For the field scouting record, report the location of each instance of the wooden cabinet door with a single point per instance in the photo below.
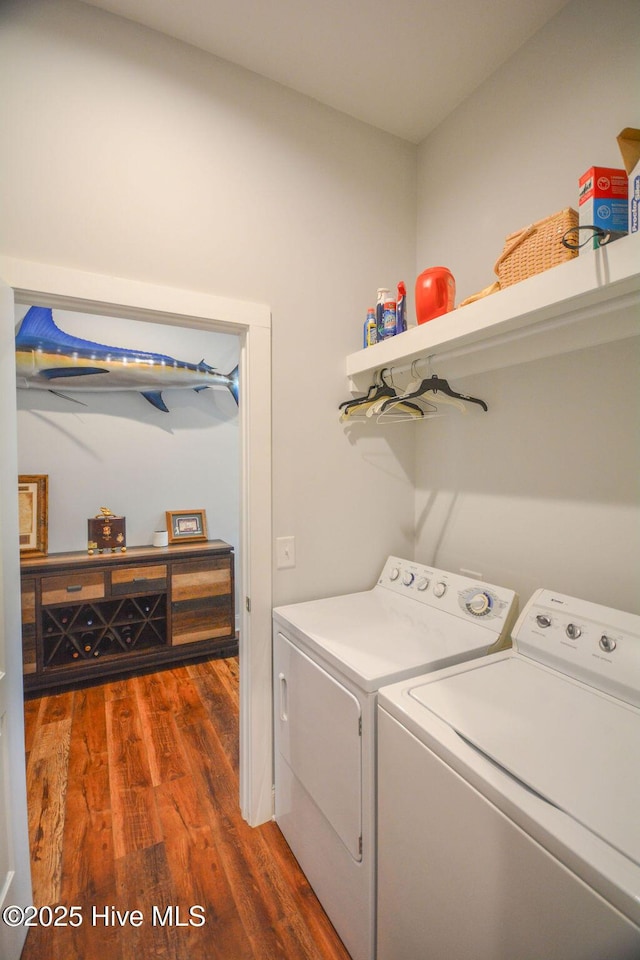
(201, 599)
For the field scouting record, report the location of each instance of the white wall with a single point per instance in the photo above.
(514, 150)
(542, 490)
(119, 451)
(131, 154)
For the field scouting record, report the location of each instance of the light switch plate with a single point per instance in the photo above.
(285, 552)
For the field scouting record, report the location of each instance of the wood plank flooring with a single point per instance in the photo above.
(133, 805)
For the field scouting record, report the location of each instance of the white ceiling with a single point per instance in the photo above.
(401, 65)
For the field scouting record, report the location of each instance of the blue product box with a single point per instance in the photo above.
(603, 201)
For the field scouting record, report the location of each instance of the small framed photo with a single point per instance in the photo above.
(186, 525)
(33, 500)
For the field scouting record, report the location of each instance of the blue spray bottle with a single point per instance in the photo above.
(370, 328)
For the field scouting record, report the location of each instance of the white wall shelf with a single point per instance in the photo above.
(590, 300)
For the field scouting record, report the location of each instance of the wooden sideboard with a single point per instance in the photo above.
(86, 618)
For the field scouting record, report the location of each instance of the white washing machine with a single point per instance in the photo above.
(509, 797)
(330, 658)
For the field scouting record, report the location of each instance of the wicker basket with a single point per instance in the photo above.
(536, 248)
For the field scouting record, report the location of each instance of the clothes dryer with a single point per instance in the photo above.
(330, 658)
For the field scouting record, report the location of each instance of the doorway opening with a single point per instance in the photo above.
(115, 297)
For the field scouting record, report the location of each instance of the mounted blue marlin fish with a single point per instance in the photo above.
(48, 358)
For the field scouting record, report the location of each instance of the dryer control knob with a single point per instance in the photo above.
(440, 589)
(408, 579)
(573, 631)
(479, 604)
(608, 644)
(395, 573)
(543, 620)
(422, 583)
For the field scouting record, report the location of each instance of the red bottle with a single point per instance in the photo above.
(435, 293)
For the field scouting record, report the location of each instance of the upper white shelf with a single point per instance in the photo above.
(589, 300)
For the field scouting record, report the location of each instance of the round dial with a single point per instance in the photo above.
(440, 589)
(395, 573)
(479, 604)
(608, 644)
(408, 578)
(422, 583)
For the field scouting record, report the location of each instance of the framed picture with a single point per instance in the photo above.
(186, 525)
(33, 495)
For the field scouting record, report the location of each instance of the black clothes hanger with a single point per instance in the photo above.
(435, 384)
(380, 388)
(377, 391)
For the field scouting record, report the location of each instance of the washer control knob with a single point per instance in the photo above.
(422, 583)
(408, 578)
(573, 631)
(608, 644)
(440, 589)
(395, 573)
(479, 604)
(543, 620)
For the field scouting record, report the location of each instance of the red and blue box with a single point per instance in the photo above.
(603, 201)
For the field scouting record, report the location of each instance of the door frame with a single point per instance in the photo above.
(15, 872)
(69, 289)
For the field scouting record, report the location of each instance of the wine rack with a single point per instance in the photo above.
(86, 618)
(111, 628)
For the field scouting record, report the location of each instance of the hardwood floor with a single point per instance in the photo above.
(133, 806)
